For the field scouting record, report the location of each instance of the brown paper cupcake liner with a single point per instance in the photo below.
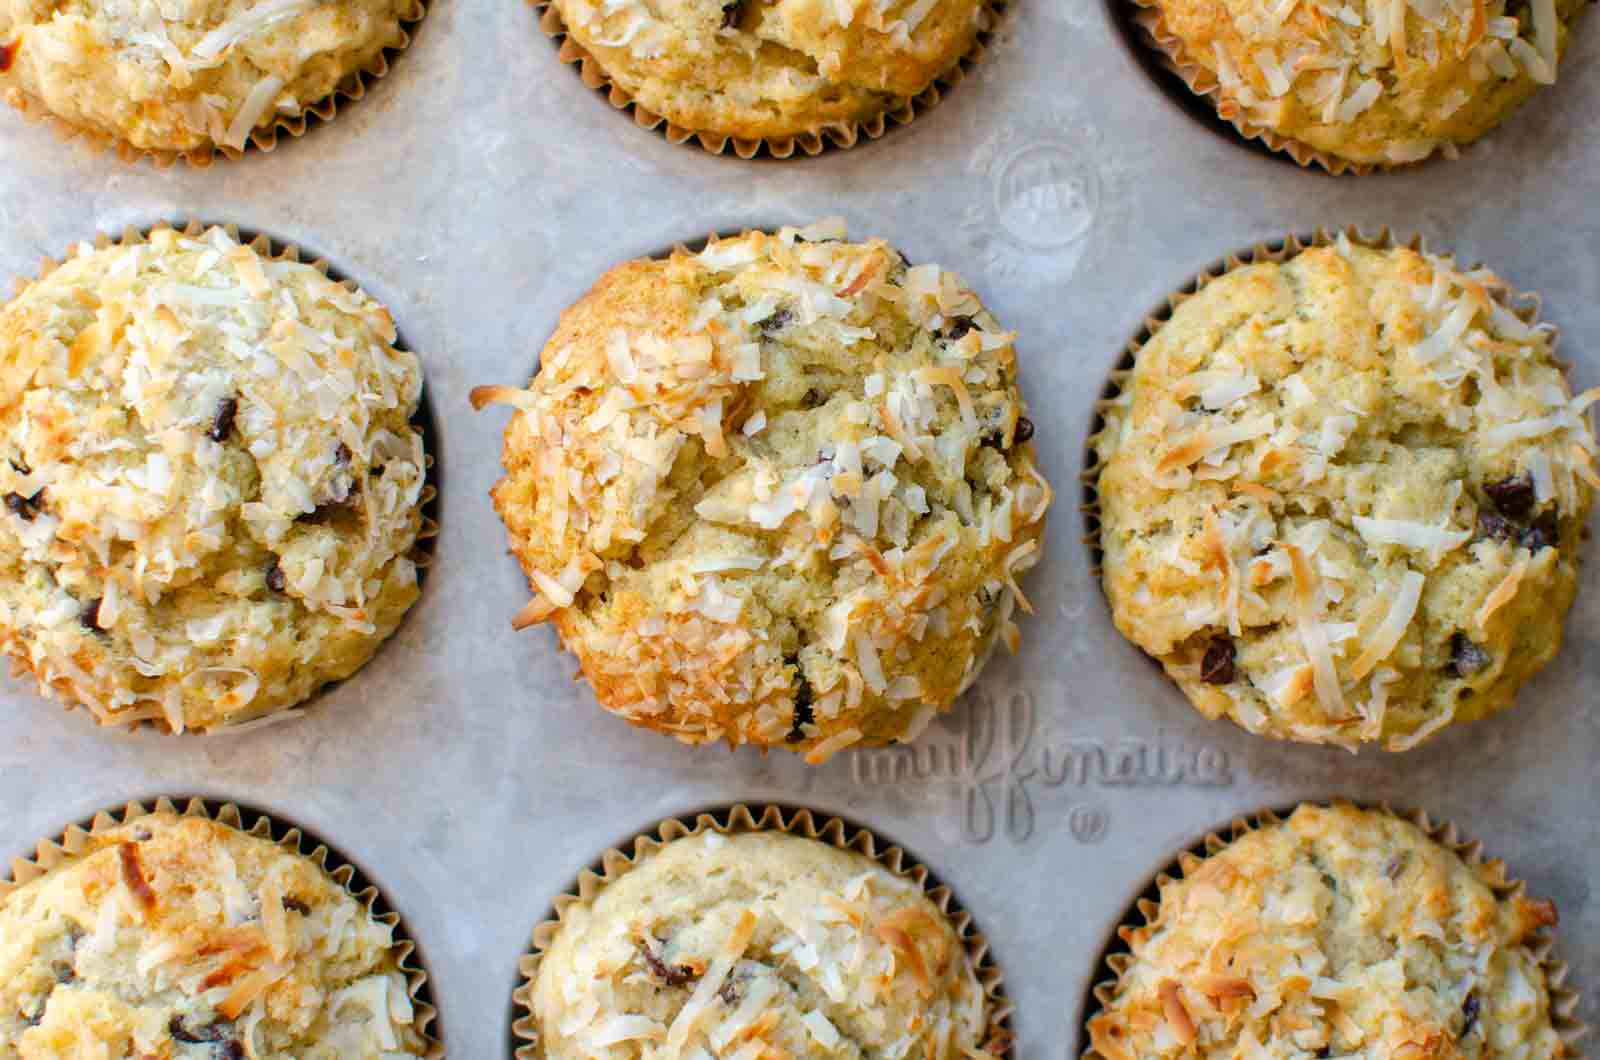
(353, 87)
(1526, 306)
(50, 854)
(812, 142)
(1203, 83)
(1142, 917)
(738, 818)
(422, 551)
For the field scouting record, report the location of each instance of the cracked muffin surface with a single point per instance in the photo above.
(212, 486)
(182, 938)
(1342, 497)
(1382, 83)
(775, 492)
(771, 68)
(180, 75)
(757, 944)
(1339, 932)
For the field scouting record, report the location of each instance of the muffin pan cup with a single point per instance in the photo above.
(842, 135)
(263, 138)
(740, 818)
(75, 839)
(1563, 997)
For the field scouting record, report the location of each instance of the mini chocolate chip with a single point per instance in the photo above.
(1466, 658)
(804, 714)
(669, 974)
(1024, 430)
(1217, 666)
(1513, 495)
(1544, 532)
(181, 1031)
(779, 320)
(342, 454)
(731, 13)
(1469, 1009)
(956, 328)
(275, 578)
(813, 398)
(25, 508)
(295, 905)
(234, 1050)
(222, 424)
(1495, 527)
(89, 617)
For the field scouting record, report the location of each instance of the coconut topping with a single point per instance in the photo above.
(214, 449)
(183, 75)
(861, 545)
(1375, 82)
(180, 937)
(1339, 932)
(756, 945)
(1340, 485)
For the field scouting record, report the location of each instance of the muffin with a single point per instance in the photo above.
(776, 492)
(773, 70)
(212, 485)
(176, 936)
(1368, 85)
(1339, 932)
(193, 75)
(771, 943)
(1341, 495)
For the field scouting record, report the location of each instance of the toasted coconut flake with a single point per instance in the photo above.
(250, 987)
(532, 613)
(1503, 592)
(1420, 537)
(1313, 635)
(482, 396)
(832, 746)
(699, 1003)
(1393, 627)
(252, 110)
(1176, 1015)
(133, 877)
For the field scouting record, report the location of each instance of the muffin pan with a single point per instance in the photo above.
(479, 189)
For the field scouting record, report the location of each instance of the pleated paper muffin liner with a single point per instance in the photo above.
(352, 87)
(1141, 919)
(739, 818)
(50, 854)
(421, 552)
(1526, 306)
(841, 135)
